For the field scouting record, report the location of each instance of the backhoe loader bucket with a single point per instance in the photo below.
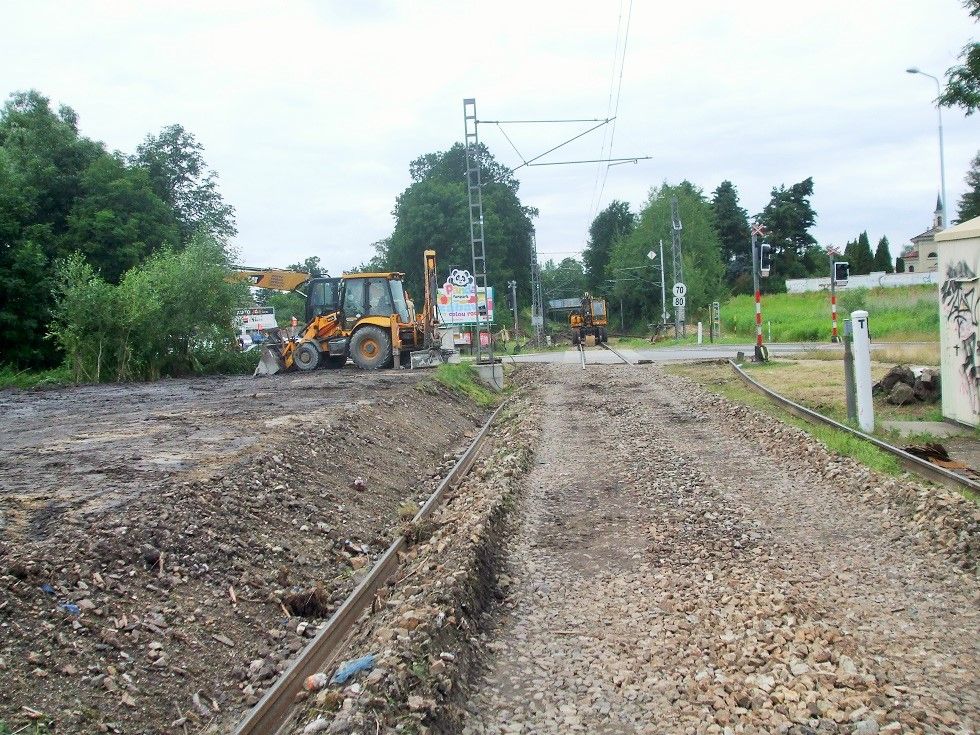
(270, 363)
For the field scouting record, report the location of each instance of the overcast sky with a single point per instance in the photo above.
(312, 111)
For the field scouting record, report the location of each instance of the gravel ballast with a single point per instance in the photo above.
(689, 565)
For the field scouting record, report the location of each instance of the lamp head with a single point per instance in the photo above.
(913, 70)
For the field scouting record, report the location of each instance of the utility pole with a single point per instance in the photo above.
(680, 288)
(537, 300)
(513, 302)
(474, 190)
(663, 288)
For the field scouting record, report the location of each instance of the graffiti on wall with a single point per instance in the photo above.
(960, 297)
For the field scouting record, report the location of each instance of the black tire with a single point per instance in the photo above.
(604, 336)
(370, 348)
(333, 362)
(307, 356)
(575, 338)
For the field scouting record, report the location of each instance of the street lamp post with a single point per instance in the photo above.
(942, 157)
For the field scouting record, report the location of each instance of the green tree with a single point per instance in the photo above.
(732, 225)
(963, 81)
(117, 220)
(883, 257)
(969, 206)
(639, 286)
(788, 218)
(43, 168)
(566, 280)
(612, 223)
(175, 163)
(433, 213)
(859, 255)
(309, 265)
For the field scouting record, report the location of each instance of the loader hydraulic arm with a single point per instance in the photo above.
(430, 315)
(275, 279)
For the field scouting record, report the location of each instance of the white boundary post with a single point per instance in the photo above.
(862, 370)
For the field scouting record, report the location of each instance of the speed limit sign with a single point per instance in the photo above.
(680, 301)
(680, 290)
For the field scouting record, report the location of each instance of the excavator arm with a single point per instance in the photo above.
(275, 279)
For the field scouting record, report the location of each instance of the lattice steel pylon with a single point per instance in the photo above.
(676, 227)
(474, 190)
(537, 313)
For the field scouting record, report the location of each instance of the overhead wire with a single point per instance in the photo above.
(619, 91)
(609, 105)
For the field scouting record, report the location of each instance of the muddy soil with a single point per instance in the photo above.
(166, 547)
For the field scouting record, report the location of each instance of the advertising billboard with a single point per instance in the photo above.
(457, 300)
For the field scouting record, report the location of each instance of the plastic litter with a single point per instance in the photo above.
(71, 608)
(352, 667)
(47, 589)
(315, 682)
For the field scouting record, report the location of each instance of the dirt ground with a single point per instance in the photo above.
(166, 547)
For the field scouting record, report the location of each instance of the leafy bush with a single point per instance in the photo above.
(171, 315)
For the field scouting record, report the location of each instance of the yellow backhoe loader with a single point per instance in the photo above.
(367, 317)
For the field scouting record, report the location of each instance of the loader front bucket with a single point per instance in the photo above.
(270, 363)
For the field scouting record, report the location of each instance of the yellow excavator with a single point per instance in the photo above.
(589, 322)
(367, 317)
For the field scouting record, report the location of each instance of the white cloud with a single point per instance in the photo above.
(312, 111)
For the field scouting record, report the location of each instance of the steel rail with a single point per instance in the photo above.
(273, 710)
(616, 352)
(934, 473)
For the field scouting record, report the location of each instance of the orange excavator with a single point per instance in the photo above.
(366, 317)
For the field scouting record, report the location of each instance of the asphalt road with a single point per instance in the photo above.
(597, 355)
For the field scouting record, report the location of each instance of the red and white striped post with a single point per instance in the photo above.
(834, 337)
(833, 317)
(758, 318)
(757, 231)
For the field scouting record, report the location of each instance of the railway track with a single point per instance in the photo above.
(603, 345)
(921, 467)
(616, 352)
(274, 709)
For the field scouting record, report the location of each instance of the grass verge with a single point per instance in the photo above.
(720, 379)
(462, 378)
(11, 378)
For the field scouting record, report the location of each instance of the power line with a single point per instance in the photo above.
(619, 92)
(609, 104)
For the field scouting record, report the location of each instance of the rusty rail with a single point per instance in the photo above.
(275, 707)
(934, 473)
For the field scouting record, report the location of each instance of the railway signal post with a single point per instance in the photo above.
(758, 258)
(838, 277)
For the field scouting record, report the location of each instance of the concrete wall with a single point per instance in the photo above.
(959, 310)
(873, 280)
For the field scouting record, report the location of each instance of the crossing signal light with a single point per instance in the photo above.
(765, 259)
(841, 271)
